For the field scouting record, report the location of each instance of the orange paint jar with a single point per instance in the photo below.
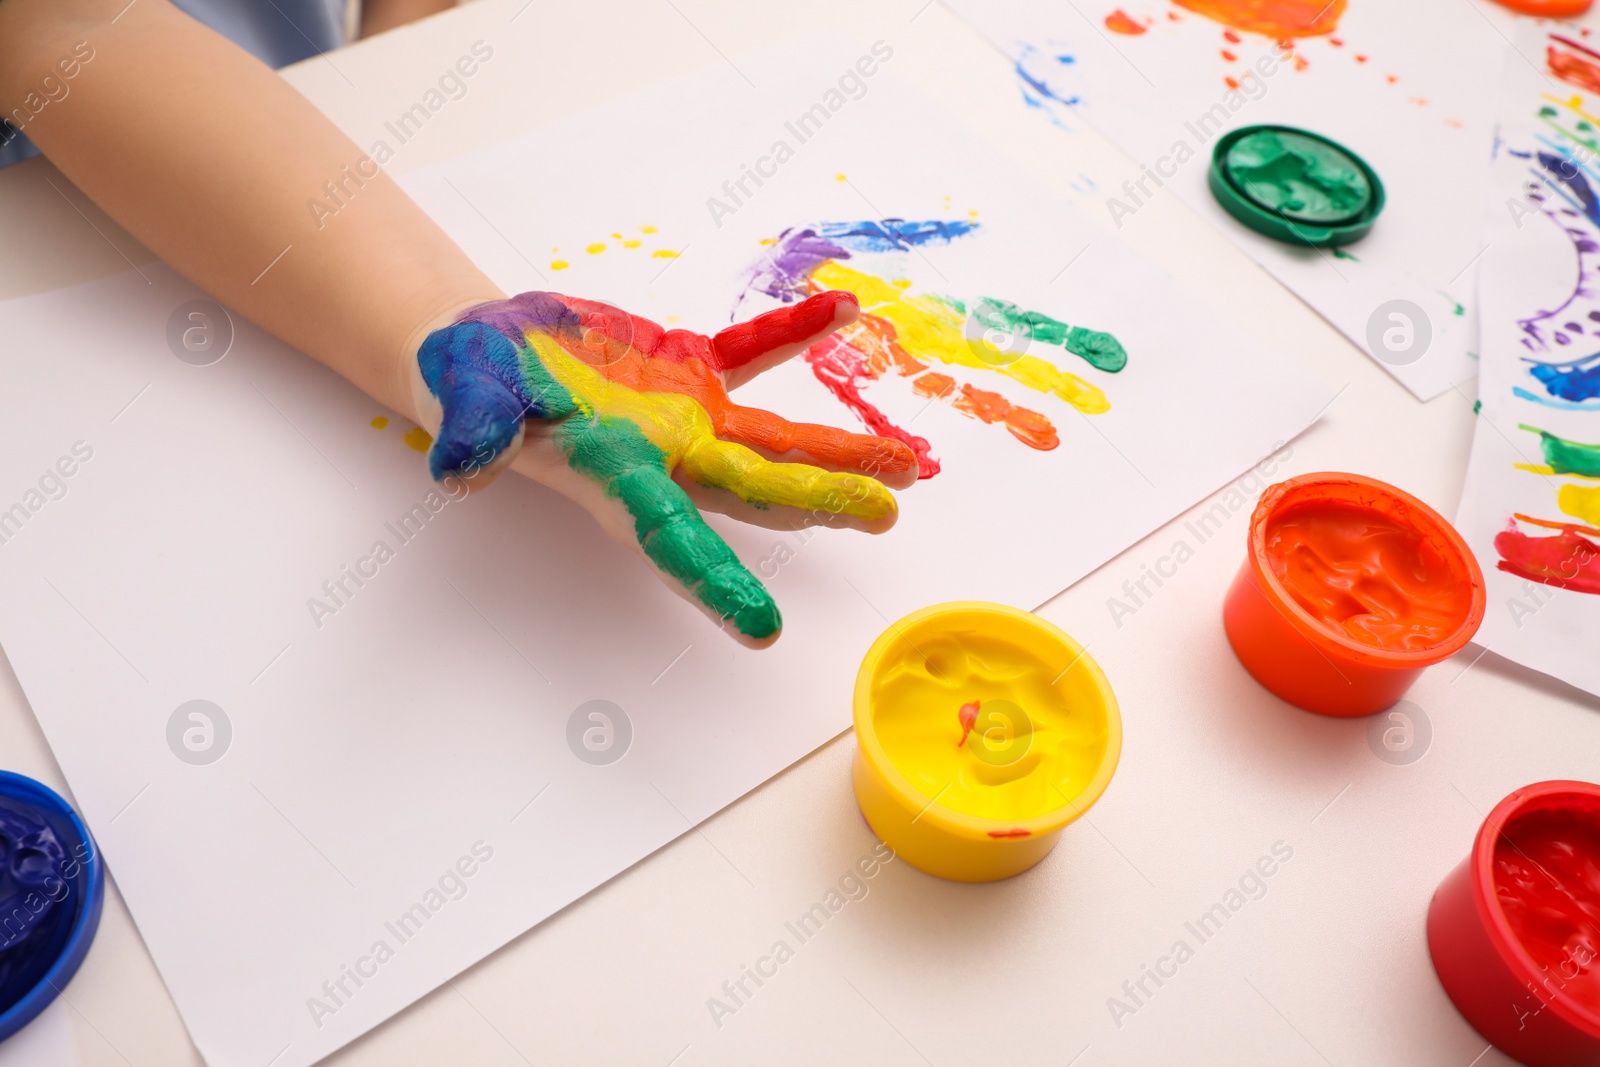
(1349, 588)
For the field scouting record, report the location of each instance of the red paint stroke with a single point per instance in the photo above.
(1231, 82)
(1272, 18)
(1119, 21)
(1019, 832)
(1570, 43)
(1336, 42)
(1574, 70)
(1567, 560)
(843, 368)
(969, 718)
(1229, 35)
(1301, 63)
(1229, 56)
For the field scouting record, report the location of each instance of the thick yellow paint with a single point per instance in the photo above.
(930, 329)
(664, 253)
(680, 427)
(380, 421)
(632, 242)
(596, 248)
(1012, 766)
(1581, 502)
(418, 438)
(559, 264)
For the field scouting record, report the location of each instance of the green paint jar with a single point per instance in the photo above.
(1295, 186)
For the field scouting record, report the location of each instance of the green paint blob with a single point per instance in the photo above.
(617, 454)
(1567, 457)
(1299, 178)
(1101, 350)
(1477, 406)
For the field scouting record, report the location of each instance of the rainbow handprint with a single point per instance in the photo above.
(901, 331)
(608, 407)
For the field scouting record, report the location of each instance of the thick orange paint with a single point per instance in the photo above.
(1119, 21)
(1366, 575)
(1273, 18)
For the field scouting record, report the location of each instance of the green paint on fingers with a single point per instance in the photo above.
(617, 454)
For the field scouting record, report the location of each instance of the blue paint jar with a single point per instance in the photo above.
(52, 889)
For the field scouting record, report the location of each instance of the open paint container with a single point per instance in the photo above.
(52, 888)
(1349, 588)
(981, 731)
(1514, 930)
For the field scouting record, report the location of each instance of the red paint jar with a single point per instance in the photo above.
(1526, 979)
(1350, 587)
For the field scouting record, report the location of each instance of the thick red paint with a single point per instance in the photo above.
(969, 718)
(1566, 559)
(1011, 833)
(784, 328)
(1547, 880)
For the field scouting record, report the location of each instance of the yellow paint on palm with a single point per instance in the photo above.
(1581, 502)
(931, 329)
(682, 430)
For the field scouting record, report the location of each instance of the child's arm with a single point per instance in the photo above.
(208, 157)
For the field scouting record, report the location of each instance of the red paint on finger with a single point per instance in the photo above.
(807, 321)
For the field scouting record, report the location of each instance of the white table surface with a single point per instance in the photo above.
(1330, 966)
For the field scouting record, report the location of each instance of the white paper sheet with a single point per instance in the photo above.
(1408, 86)
(1541, 330)
(424, 727)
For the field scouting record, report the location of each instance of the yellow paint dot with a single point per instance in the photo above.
(595, 249)
(616, 236)
(632, 242)
(664, 253)
(380, 422)
(840, 178)
(418, 438)
(559, 264)
(647, 229)
(674, 318)
(769, 241)
(972, 214)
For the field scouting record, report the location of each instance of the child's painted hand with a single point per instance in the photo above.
(629, 419)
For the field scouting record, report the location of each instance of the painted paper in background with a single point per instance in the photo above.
(1531, 508)
(419, 724)
(1165, 78)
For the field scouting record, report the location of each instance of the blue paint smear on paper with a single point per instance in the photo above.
(785, 273)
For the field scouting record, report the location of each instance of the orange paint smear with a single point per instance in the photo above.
(1366, 575)
(1271, 18)
(1029, 427)
(1229, 56)
(1119, 21)
(1230, 82)
(1574, 70)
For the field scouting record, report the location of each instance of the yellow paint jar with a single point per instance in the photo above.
(981, 731)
